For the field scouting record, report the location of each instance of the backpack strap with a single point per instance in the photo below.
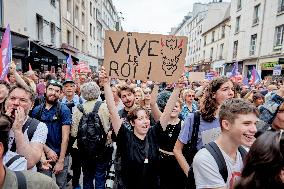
(57, 114)
(12, 160)
(31, 126)
(243, 152)
(195, 129)
(219, 158)
(21, 179)
(97, 107)
(81, 108)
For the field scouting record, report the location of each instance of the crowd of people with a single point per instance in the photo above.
(132, 134)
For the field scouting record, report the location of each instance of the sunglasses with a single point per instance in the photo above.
(147, 92)
(190, 95)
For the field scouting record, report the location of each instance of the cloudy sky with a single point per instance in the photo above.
(154, 16)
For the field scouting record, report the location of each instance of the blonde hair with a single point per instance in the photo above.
(186, 92)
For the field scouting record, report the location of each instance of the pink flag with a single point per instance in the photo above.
(70, 69)
(6, 49)
(30, 67)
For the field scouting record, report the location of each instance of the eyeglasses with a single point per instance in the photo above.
(147, 92)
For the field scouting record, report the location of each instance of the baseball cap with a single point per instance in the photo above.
(68, 81)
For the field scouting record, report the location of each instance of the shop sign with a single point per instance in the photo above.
(268, 65)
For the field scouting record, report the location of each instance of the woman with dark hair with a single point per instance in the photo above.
(257, 99)
(216, 92)
(264, 165)
(139, 148)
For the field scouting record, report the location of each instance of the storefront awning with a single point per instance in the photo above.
(61, 57)
(46, 55)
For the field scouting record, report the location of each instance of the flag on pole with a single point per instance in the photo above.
(245, 81)
(70, 69)
(255, 77)
(30, 67)
(235, 70)
(6, 50)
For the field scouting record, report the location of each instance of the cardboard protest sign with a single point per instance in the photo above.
(144, 57)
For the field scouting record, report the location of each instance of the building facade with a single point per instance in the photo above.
(41, 25)
(192, 28)
(256, 37)
(216, 36)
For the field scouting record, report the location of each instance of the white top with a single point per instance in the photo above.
(39, 136)
(18, 165)
(206, 171)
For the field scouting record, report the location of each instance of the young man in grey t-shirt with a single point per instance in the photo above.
(238, 124)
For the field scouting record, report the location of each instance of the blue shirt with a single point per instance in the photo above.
(185, 111)
(204, 127)
(54, 125)
(76, 99)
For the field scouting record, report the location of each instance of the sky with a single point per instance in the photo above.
(153, 16)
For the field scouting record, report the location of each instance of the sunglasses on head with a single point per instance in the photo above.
(55, 83)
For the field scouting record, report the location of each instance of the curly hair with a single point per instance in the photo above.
(132, 115)
(208, 104)
(90, 91)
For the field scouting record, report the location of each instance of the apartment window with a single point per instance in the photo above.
(77, 42)
(76, 16)
(52, 2)
(91, 29)
(223, 32)
(281, 6)
(39, 27)
(235, 49)
(213, 37)
(94, 12)
(52, 33)
(68, 37)
(94, 32)
(221, 51)
(69, 5)
(83, 22)
(211, 53)
(204, 40)
(83, 45)
(279, 34)
(256, 14)
(83, 3)
(253, 44)
(237, 29)
(239, 4)
(204, 54)
(91, 8)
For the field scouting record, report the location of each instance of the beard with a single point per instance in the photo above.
(51, 101)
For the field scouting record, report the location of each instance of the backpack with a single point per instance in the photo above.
(31, 126)
(215, 151)
(91, 135)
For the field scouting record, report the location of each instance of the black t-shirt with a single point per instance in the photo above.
(169, 137)
(136, 174)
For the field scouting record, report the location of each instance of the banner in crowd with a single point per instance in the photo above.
(144, 56)
(6, 52)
